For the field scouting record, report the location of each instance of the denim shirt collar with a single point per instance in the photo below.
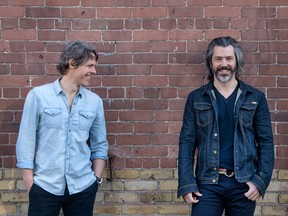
(58, 89)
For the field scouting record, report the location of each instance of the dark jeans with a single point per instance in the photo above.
(227, 195)
(43, 203)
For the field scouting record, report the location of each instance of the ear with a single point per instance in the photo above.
(71, 63)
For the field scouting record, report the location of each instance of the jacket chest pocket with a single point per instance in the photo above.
(52, 117)
(204, 114)
(246, 113)
(86, 119)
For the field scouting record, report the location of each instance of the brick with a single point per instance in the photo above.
(190, 34)
(28, 3)
(9, 209)
(154, 81)
(138, 209)
(42, 12)
(150, 24)
(149, 12)
(160, 151)
(117, 36)
(178, 12)
(273, 3)
(12, 11)
(78, 35)
(62, 3)
(172, 209)
(169, 3)
(151, 58)
(250, 12)
(283, 198)
(150, 35)
(140, 185)
(119, 197)
(205, 3)
(132, 3)
(7, 185)
(114, 13)
(222, 12)
(10, 23)
(245, 3)
(168, 185)
(283, 174)
(274, 210)
(14, 197)
(19, 34)
(107, 209)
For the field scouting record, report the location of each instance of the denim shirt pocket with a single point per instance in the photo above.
(86, 119)
(204, 113)
(52, 117)
(246, 113)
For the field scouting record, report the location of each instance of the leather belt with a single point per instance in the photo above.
(226, 172)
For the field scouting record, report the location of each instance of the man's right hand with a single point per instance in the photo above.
(192, 198)
(28, 178)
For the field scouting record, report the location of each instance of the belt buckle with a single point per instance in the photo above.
(225, 172)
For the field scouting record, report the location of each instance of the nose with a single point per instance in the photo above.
(224, 62)
(93, 70)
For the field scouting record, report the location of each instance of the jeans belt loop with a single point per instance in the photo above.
(228, 173)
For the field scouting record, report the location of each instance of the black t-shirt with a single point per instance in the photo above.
(226, 128)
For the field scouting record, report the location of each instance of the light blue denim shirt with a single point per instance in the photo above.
(52, 138)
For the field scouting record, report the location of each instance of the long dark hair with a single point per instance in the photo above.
(224, 42)
(80, 52)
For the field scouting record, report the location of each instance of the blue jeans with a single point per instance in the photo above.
(227, 195)
(44, 203)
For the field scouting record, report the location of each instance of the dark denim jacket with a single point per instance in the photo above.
(253, 140)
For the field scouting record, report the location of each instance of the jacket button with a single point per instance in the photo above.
(215, 134)
(215, 151)
(214, 180)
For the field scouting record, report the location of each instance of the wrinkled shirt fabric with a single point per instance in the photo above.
(52, 138)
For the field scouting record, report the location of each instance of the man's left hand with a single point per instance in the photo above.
(253, 193)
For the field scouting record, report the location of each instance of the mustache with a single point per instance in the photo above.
(224, 68)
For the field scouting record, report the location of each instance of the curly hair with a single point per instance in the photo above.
(80, 52)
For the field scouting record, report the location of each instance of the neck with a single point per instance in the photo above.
(68, 86)
(226, 89)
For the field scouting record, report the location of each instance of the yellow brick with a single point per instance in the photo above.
(168, 185)
(21, 185)
(107, 209)
(173, 209)
(99, 196)
(277, 186)
(164, 197)
(8, 209)
(13, 173)
(14, 197)
(257, 211)
(126, 174)
(269, 198)
(274, 210)
(283, 174)
(140, 185)
(157, 174)
(7, 185)
(114, 185)
(283, 199)
(138, 209)
(24, 208)
(121, 197)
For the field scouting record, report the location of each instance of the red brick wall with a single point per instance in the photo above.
(151, 57)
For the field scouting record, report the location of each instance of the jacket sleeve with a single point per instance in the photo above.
(187, 145)
(265, 146)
